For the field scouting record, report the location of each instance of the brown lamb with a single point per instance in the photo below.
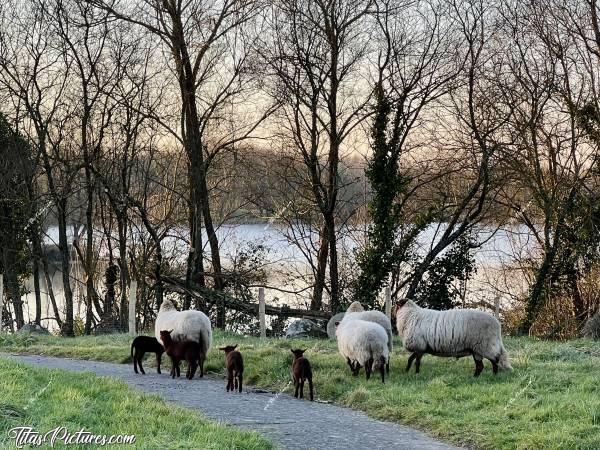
(189, 351)
(235, 368)
(301, 372)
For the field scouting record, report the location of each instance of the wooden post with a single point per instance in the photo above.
(132, 301)
(388, 302)
(1, 298)
(261, 312)
(497, 306)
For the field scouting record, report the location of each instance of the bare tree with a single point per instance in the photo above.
(316, 54)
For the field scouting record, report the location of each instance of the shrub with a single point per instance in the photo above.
(592, 327)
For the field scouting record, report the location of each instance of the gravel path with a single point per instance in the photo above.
(292, 423)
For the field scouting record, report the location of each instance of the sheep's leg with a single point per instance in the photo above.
(369, 368)
(201, 364)
(418, 363)
(352, 369)
(382, 363)
(356, 369)
(411, 358)
(310, 388)
(158, 358)
(478, 366)
(494, 366)
(387, 365)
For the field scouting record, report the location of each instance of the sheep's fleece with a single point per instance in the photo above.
(186, 325)
(457, 332)
(359, 341)
(356, 311)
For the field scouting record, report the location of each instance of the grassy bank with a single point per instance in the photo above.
(551, 400)
(45, 399)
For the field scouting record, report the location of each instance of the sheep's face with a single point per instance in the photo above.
(168, 305)
(228, 349)
(298, 353)
(355, 307)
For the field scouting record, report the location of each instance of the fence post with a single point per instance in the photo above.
(497, 306)
(132, 301)
(388, 302)
(1, 298)
(261, 312)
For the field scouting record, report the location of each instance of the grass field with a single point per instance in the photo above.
(45, 399)
(550, 401)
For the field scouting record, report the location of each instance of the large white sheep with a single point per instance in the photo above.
(453, 333)
(357, 311)
(188, 325)
(363, 343)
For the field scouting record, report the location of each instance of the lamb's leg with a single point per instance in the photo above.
(310, 387)
(297, 386)
(411, 358)
(301, 387)
(135, 369)
(158, 358)
(229, 380)
(240, 376)
(141, 355)
(418, 363)
(192, 369)
(478, 365)
(174, 368)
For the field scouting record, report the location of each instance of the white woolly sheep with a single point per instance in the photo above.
(188, 325)
(363, 343)
(357, 311)
(453, 333)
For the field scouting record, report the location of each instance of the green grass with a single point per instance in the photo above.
(550, 401)
(45, 399)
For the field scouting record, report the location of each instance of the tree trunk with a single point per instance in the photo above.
(13, 292)
(316, 303)
(124, 272)
(35, 242)
(50, 290)
(63, 245)
(89, 252)
(334, 302)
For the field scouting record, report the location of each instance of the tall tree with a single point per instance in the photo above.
(204, 40)
(16, 214)
(316, 53)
